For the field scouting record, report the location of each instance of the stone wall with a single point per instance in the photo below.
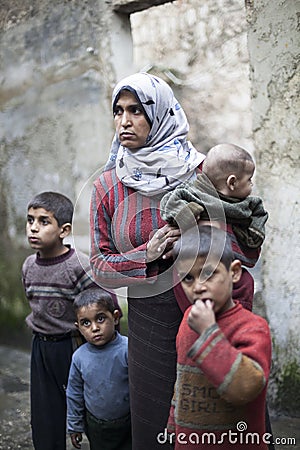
(59, 62)
(200, 48)
(59, 65)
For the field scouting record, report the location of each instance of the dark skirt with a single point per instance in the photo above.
(153, 325)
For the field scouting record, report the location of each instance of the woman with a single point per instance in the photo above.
(130, 243)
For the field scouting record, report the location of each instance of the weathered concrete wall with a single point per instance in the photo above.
(59, 62)
(59, 65)
(274, 57)
(132, 6)
(200, 47)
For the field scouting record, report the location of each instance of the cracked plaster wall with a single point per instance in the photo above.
(58, 67)
(200, 48)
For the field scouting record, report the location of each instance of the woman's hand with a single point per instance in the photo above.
(161, 243)
(76, 439)
(201, 316)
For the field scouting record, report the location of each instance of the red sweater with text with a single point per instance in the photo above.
(220, 391)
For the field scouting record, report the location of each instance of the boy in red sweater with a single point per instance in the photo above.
(223, 352)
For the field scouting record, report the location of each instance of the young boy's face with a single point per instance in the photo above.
(43, 231)
(97, 324)
(209, 281)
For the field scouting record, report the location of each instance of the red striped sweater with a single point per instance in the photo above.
(121, 221)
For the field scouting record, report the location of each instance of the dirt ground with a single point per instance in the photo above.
(15, 430)
(15, 409)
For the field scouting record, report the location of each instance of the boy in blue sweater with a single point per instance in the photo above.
(98, 390)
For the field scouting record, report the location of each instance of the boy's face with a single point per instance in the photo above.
(97, 324)
(43, 232)
(209, 280)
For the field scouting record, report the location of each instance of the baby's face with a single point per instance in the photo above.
(243, 185)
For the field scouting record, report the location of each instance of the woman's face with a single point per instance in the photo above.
(131, 124)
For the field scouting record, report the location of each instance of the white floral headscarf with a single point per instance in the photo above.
(167, 159)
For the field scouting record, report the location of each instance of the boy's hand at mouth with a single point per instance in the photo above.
(201, 315)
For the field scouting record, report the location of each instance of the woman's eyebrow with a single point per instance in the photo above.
(129, 105)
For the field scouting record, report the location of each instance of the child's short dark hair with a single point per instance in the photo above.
(203, 241)
(60, 205)
(94, 295)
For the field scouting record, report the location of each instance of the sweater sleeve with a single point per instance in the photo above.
(110, 267)
(238, 372)
(253, 235)
(171, 420)
(75, 401)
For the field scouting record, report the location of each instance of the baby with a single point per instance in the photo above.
(221, 193)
